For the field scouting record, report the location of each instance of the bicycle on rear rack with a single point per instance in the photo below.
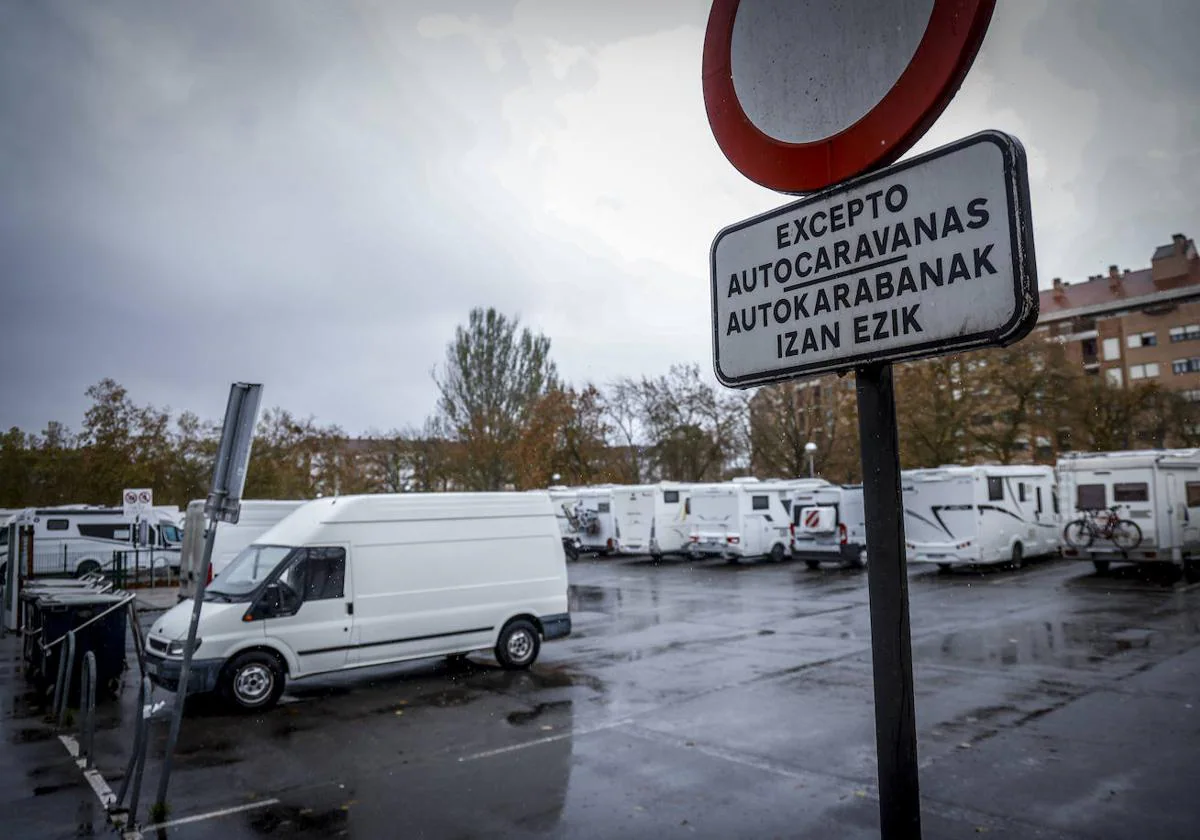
(1103, 524)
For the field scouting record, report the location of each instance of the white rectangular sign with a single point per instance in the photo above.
(137, 502)
(930, 256)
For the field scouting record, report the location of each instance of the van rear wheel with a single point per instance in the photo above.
(518, 645)
(1018, 555)
(252, 681)
(777, 553)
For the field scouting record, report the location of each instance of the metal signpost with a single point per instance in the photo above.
(223, 504)
(928, 257)
(136, 504)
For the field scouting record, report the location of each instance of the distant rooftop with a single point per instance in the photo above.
(1174, 273)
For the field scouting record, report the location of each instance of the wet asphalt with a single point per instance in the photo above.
(694, 700)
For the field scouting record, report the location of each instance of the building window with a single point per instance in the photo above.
(1112, 349)
(1146, 371)
(1191, 365)
(1146, 339)
(1190, 332)
(1139, 492)
(1114, 376)
(1191, 395)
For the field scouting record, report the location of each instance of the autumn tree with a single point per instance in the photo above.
(785, 418)
(494, 374)
(937, 400)
(697, 433)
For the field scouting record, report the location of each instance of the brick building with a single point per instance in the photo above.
(1134, 326)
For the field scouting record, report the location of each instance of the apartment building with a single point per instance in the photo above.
(1134, 326)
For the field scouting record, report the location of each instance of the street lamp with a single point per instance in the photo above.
(810, 449)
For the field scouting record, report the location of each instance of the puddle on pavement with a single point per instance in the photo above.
(528, 716)
(1065, 644)
(295, 821)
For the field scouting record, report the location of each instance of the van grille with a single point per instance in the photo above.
(157, 645)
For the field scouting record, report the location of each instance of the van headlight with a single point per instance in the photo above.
(176, 648)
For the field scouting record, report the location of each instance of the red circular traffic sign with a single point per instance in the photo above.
(803, 95)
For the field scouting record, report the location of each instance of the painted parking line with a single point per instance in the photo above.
(212, 815)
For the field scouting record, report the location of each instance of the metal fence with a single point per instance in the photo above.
(127, 567)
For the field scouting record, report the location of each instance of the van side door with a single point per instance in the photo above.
(313, 609)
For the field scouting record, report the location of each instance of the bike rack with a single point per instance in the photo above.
(62, 686)
(87, 727)
(132, 783)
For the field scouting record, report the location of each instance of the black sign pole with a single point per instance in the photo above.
(887, 586)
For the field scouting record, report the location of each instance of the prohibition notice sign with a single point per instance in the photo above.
(802, 94)
(931, 256)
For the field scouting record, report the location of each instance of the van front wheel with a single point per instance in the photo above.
(252, 681)
(518, 645)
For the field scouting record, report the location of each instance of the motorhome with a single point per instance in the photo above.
(563, 499)
(255, 518)
(976, 515)
(669, 531)
(633, 518)
(740, 519)
(82, 539)
(592, 520)
(1155, 495)
(353, 581)
(829, 524)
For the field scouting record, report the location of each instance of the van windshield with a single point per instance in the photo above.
(247, 571)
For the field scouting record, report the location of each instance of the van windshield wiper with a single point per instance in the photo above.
(220, 595)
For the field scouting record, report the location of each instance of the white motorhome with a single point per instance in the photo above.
(957, 516)
(592, 519)
(255, 518)
(829, 524)
(1156, 496)
(669, 533)
(739, 519)
(563, 499)
(633, 518)
(81, 539)
(353, 581)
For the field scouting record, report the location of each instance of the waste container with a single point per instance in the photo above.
(56, 614)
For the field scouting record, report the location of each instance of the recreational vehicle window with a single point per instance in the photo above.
(760, 503)
(1193, 493)
(603, 507)
(57, 524)
(105, 532)
(1021, 491)
(1054, 499)
(995, 489)
(671, 497)
(1090, 497)
(1139, 492)
(1039, 500)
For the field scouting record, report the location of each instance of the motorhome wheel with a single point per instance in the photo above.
(518, 645)
(87, 567)
(777, 553)
(1018, 555)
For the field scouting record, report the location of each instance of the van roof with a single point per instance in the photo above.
(306, 523)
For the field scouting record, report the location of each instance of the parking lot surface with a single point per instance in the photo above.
(694, 700)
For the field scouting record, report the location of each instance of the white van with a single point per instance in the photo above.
(742, 518)
(1156, 497)
(353, 581)
(829, 524)
(669, 532)
(256, 517)
(81, 539)
(958, 516)
(633, 518)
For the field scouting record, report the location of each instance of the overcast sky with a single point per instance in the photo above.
(313, 194)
